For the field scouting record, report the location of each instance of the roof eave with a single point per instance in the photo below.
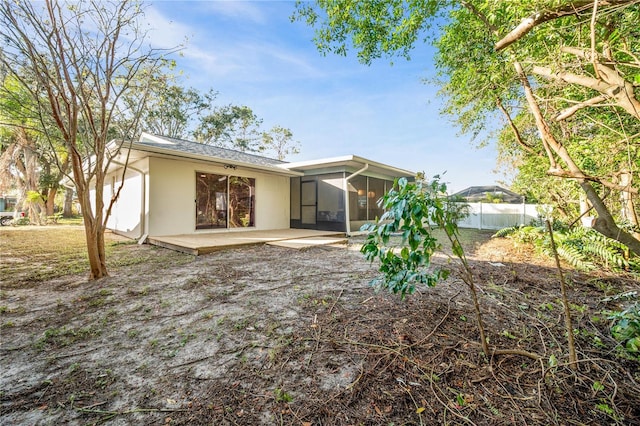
(346, 158)
(209, 159)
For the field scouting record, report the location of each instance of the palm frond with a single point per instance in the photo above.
(501, 233)
(575, 257)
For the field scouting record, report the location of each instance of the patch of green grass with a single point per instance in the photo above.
(60, 337)
(282, 396)
(73, 220)
(36, 254)
(208, 315)
(241, 324)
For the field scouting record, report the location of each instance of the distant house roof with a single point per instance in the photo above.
(474, 194)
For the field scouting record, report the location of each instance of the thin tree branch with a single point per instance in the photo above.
(569, 112)
(582, 176)
(594, 56)
(514, 128)
(540, 17)
(611, 84)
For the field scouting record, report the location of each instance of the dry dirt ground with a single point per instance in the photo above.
(269, 335)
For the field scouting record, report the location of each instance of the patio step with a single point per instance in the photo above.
(300, 243)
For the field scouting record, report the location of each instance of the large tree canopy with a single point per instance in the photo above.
(30, 165)
(78, 60)
(564, 76)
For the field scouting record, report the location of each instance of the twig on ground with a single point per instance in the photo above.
(335, 301)
(75, 353)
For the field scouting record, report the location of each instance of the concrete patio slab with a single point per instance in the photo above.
(202, 243)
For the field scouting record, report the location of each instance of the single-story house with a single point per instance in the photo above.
(175, 186)
(488, 194)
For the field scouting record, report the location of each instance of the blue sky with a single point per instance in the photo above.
(252, 54)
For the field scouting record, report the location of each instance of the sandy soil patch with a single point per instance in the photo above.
(273, 335)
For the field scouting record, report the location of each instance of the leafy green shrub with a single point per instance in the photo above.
(410, 209)
(626, 328)
(21, 221)
(583, 248)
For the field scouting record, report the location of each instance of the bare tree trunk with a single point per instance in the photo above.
(95, 246)
(604, 223)
(628, 210)
(573, 359)
(94, 231)
(584, 204)
(67, 211)
(50, 203)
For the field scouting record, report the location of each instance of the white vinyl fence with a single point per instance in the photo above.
(497, 216)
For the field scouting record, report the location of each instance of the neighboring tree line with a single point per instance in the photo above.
(185, 113)
(77, 76)
(33, 161)
(564, 76)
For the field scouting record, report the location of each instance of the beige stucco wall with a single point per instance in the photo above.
(172, 194)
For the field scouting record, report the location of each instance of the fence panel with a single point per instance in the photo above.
(497, 216)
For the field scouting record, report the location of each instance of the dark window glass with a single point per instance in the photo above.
(374, 193)
(330, 198)
(358, 198)
(242, 192)
(224, 201)
(295, 198)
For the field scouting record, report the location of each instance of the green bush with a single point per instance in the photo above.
(626, 328)
(583, 248)
(410, 209)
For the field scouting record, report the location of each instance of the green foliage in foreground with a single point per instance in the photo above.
(586, 249)
(410, 209)
(625, 325)
(583, 248)
(626, 328)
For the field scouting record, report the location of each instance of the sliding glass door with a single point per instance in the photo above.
(242, 192)
(224, 201)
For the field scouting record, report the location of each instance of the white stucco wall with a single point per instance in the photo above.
(172, 194)
(127, 214)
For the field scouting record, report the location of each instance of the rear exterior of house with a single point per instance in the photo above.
(176, 187)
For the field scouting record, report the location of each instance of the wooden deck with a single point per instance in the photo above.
(202, 243)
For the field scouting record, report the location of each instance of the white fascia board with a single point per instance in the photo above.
(320, 162)
(326, 162)
(154, 138)
(395, 170)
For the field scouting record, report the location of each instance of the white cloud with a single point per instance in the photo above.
(237, 10)
(165, 33)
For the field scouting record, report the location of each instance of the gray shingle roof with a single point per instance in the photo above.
(479, 193)
(180, 145)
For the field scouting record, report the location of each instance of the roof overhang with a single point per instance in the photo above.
(350, 163)
(139, 151)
